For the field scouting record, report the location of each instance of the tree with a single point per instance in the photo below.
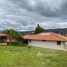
(38, 29)
(13, 34)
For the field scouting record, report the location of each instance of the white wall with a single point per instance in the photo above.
(47, 44)
(3, 44)
(65, 46)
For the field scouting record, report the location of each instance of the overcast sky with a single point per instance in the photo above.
(26, 14)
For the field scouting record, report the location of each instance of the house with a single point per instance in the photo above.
(47, 40)
(5, 39)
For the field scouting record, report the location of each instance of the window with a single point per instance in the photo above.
(58, 43)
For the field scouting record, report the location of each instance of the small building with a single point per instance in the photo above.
(47, 40)
(5, 39)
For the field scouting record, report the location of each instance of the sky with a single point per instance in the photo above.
(26, 14)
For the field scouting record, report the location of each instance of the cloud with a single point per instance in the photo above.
(43, 7)
(64, 9)
(26, 14)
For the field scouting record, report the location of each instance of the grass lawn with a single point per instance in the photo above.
(19, 56)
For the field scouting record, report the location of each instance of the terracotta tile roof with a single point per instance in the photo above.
(46, 36)
(2, 34)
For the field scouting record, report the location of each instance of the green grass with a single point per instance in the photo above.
(19, 56)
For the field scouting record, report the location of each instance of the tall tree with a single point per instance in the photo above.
(38, 29)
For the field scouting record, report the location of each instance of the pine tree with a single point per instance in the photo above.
(38, 29)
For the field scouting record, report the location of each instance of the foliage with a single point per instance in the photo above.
(38, 29)
(13, 34)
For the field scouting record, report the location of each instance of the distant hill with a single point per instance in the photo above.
(62, 31)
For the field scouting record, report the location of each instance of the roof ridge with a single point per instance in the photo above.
(61, 36)
(52, 35)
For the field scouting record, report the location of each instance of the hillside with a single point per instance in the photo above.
(62, 31)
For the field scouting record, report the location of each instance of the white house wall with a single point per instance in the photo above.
(47, 44)
(65, 46)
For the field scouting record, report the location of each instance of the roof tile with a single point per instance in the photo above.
(46, 36)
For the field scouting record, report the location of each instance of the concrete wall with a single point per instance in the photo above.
(65, 46)
(47, 44)
(3, 44)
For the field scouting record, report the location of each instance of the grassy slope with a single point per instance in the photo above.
(19, 56)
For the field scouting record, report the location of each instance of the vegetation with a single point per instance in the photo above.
(13, 34)
(38, 29)
(19, 56)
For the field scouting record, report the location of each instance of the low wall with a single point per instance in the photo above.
(3, 43)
